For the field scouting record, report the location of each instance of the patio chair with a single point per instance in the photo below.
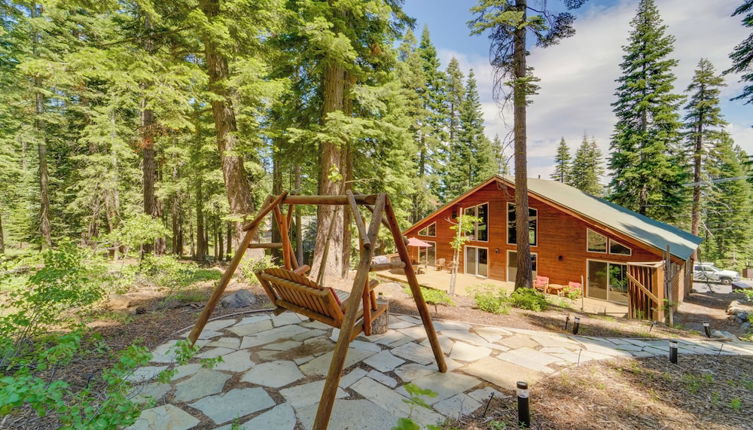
(541, 283)
(290, 290)
(576, 285)
(441, 263)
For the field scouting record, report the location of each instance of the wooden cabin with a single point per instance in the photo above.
(575, 237)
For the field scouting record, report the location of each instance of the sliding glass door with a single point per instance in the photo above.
(476, 261)
(512, 265)
(607, 281)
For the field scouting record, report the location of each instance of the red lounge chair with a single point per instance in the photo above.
(541, 283)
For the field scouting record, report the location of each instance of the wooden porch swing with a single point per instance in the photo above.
(290, 290)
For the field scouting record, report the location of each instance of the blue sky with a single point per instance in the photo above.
(578, 74)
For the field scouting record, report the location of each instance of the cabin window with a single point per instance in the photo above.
(596, 242)
(533, 225)
(512, 265)
(430, 230)
(481, 229)
(619, 249)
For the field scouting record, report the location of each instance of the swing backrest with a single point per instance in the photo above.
(299, 294)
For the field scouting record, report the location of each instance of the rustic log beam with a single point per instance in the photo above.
(266, 245)
(410, 274)
(268, 206)
(365, 242)
(386, 266)
(347, 328)
(342, 200)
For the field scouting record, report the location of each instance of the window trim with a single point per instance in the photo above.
(427, 230)
(426, 250)
(606, 242)
(507, 220)
(609, 248)
(488, 223)
(507, 264)
(465, 260)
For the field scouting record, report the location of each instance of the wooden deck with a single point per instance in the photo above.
(466, 284)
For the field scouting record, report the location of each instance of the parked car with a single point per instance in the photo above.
(707, 272)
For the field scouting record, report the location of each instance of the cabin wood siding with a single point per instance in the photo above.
(561, 249)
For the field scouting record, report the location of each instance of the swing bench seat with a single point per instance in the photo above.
(292, 291)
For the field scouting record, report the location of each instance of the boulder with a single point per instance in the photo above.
(238, 299)
(745, 327)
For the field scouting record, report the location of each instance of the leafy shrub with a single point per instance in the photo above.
(494, 300)
(136, 231)
(528, 298)
(69, 282)
(253, 265)
(572, 293)
(167, 271)
(437, 297)
(415, 394)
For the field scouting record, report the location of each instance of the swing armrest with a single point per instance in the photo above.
(303, 269)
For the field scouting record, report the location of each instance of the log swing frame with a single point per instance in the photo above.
(382, 214)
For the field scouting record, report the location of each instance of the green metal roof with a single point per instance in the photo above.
(640, 227)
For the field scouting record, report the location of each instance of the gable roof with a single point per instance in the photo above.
(639, 227)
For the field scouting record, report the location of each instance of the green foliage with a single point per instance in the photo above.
(741, 56)
(68, 283)
(137, 231)
(572, 293)
(647, 161)
(167, 271)
(252, 265)
(528, 298)
(433, 296)
(562, 163)
(736, 404)
(415, 399)
(491, 299)
(587, 168)
(694, 383)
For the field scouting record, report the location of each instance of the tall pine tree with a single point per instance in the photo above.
(587, 168)
(562, 162)
(471, 158)
(646, 161)
(742, 55)
(703, 124)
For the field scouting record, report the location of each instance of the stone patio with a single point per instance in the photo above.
(274, 369)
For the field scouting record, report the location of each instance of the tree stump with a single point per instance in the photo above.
(380, 325)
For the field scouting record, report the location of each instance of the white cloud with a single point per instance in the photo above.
(578, 75)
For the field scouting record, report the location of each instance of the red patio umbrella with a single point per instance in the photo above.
(418, 243)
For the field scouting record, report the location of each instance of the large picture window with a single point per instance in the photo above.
(481, 229)
(596, 242)
(429, 231)
(533, 225)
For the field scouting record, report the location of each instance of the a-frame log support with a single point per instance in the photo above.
(382, 214)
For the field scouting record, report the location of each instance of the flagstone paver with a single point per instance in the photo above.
(393, 402)
(237, 361)
(465, 352)
(287, 357)
(384, 361)
(236, 403)
(205, 382)
(307, 394)
(165, 417)
(274, 374)
(457, 406)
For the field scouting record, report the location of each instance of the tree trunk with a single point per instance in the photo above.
(149, 165)
(523, 278)
(347, 169)
(276, 190)
(298, 219)
(228, 241)
(220, 248)
(201, 242)
(695, 216)
(226, 130)
(330, 161)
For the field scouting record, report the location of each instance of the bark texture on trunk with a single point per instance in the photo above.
(523, 279)
(226, 129)
(695, 215)
(276, 190)
(330, 161)
(201, 242)
(45, 230)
